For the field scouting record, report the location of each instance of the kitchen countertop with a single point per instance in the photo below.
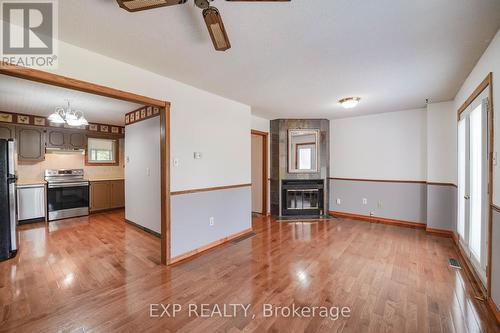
(103, 179)
(28, 181)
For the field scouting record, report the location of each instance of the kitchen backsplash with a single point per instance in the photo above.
(71, 161)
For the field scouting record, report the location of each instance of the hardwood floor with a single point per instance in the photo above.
(100, 274)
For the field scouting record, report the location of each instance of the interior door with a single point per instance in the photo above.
(473, 183)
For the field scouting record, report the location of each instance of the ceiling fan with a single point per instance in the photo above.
(211, 15)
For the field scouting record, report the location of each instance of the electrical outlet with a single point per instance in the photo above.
(365, 201)
(339, 201)
(379, 204)
(148, 172)
(211, 221)
(197, 155)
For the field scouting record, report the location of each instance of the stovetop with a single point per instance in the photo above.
(64, 175)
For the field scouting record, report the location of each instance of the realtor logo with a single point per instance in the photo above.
(29, 32)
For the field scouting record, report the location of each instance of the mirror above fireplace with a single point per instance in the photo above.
(303, 150)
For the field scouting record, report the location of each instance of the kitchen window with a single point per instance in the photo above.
(102, 151)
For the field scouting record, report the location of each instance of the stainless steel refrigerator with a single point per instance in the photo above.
(8, 207)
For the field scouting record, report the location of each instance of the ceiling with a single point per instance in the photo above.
(297, 59)
(28, 97)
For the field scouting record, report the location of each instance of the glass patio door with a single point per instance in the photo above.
(473, 183)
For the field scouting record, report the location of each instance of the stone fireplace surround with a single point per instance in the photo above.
(280, 178)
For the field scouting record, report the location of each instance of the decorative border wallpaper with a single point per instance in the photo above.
(25, 119)
(141, 114)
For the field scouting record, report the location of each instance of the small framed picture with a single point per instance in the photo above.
(104, 128)
(156, 110)
(39, 121)
(115, 130)
(127, 119)
(23, 119)
(132, 117)
(137, 115)
(149, 111)
(6, 117)
(93, 127)
(143, 113)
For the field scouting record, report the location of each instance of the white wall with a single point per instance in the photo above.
(383, 146)
(260, 124)
(143, 174)
(442, 143)
(200, 121)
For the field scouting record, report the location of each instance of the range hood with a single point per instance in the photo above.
(64, 151)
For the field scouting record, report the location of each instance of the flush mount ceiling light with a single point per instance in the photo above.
(69, 116)
(350, 102)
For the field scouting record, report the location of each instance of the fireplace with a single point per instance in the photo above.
(302, 197)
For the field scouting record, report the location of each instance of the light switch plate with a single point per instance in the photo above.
(176, 162)
(197, 155)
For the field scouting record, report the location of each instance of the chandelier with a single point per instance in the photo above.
(69, 116)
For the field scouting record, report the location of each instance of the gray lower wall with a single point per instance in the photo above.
(431, 204)
(495, 259)
(441, 207)
(400, 201)
(190, 214)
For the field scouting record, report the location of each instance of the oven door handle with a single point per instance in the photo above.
(68, 185)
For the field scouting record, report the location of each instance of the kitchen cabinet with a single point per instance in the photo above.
(31, 203)
(76, 140)
(7, 131)
(117, 193)
(107, 194)
(64, 139)
(30, 143)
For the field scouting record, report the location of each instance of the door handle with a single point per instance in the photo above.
(467, 197)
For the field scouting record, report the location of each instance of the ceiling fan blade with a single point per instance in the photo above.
(137, 5)
(216, 29)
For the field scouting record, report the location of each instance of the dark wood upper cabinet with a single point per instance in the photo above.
(76, 140)
(30, 143)
(55, 138)
(65, 139)
(7, 131)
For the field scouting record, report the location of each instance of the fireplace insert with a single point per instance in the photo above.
(302, 197)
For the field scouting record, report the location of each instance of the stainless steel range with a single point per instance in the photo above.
(67, 193)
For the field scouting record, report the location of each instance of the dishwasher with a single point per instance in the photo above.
(31, 203)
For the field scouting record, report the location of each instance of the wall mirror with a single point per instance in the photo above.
(303, 151)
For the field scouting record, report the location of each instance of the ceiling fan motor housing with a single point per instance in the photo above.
(203, 4)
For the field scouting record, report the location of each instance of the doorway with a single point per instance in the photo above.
(87, 87)
(259, 172)
(473, 184)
